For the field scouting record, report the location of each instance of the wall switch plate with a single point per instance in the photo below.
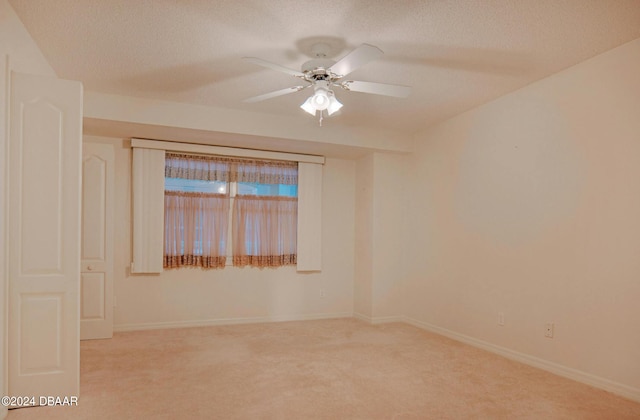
(501, 319)
(322, 293)
(548, 330)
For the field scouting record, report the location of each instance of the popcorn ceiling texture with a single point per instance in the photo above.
(455, 54)
(327, 369)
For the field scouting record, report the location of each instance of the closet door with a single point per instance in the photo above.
(96, 276)
(45, 134)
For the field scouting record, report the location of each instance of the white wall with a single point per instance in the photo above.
(380, 247)
(363, 283)
(195, 296)
(16, 42)
(389, 247)
(530, 205)
(165, 120)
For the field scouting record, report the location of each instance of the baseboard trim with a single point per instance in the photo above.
(557, 369)
(378, 319)
(362, 317)
(226, 321)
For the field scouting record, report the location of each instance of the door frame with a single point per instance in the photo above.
(5, 83)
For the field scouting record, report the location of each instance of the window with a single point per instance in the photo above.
(148, 199)
(217, 207)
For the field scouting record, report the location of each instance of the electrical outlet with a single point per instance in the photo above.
(322, 293)
(501, 319)
(548, 330)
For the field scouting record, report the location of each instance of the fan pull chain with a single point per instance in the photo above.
(320, 121)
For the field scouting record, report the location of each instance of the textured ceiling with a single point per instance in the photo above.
(456, 54)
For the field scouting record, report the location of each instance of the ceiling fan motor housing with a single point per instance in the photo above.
(318, 69)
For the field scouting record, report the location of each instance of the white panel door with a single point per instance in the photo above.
(45, 134)
(96, 277)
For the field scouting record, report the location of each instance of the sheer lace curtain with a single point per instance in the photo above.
(264, 231)
(196, 223)
(264, 228)
(196, 227)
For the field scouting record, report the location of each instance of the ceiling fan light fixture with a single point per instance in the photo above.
(308, 106)
(334, 105)
(321, 99)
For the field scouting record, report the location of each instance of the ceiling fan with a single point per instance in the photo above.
(324, 74)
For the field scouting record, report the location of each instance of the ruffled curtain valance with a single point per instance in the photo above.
(215, 168)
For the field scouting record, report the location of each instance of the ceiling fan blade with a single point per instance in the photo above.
(377, 88)
(274, 94)
(272, 66)
(356, 58)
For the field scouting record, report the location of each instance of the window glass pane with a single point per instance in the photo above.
(254, 188)
(195, 185)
